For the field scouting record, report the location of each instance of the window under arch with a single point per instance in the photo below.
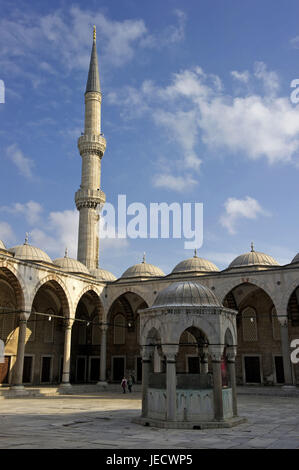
(249, 324)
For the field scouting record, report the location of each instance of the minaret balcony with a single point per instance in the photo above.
(94, 144)
(90, 198)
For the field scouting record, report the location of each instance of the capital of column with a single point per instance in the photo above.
(24, 316)
(146, 352)
(216, 352)
(170, 351)
(104, 328)
(283, 320)
(231, 353)
(68, 323)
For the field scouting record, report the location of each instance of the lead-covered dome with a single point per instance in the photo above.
(30, 253)
(194, 265)
(102, 275)
(186, 294)
(253, 258)
(71, 265)
(143, 270)
(295, 259)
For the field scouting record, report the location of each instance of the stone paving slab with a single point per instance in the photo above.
(105, 422)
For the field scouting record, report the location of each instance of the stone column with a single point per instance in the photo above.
(17, 382)
(216, 354)
(170, 352)
(204, 363)
(157, 360)
(146, 364)
(103, 359)
(285, 349)
(231, 358)
(67, 353)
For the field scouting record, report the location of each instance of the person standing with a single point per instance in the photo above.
(130, 383)
(124, 384)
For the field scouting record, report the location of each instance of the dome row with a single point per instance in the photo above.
(194, 265)
(31, 253)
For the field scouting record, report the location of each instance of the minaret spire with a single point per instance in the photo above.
(92, 144)
(93, 81)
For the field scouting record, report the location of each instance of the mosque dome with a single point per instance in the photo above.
(71, 265)
(2, 246)
(253, 258)
(143, 270)
(186, 294)
(102, 275)
(295, 259)
(29, 253)
(194, 265)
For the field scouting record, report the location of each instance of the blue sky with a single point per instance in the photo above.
(196, 107)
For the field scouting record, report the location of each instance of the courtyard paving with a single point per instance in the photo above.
(103, 421)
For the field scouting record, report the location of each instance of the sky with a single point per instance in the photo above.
(196, 108)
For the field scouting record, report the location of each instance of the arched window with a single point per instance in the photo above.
(275, 325)
(119, 329)
(249, 324)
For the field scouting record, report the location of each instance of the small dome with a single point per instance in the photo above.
(296, 259)
(102, 275)
(71, 265)
(253, 258)
(143, 270)
(2, 246)
(30, 253)
(186, 294)
(196, 265)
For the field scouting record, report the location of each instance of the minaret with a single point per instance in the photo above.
(92, 145)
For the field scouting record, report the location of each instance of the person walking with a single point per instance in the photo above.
(124, 384)
(130, 383)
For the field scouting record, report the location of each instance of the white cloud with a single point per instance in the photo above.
(31, 210)
(295, 42)
(6, 233)
(183, 128)
(241, 76)
(175, 183)
(171, 35)
(24, 164)
(236, 209)
(193, 108)
(268, 77)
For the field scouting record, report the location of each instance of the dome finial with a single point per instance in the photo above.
(252, 247)
(143, 259)
(26, 238)
(94, 33)
(66, 253)
(195, 253)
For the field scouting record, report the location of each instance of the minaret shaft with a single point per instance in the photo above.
(92, 145)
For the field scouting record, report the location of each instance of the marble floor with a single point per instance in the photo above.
(103, 421)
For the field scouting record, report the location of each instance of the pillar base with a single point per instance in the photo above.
(229, 423)
(65, 388)
(102, 385)
(18, 390)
